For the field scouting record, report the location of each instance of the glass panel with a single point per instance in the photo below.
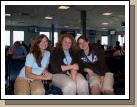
(46, 33)
(7, 38)
(18, 36)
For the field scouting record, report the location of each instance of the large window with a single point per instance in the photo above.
(121, 39)
(18, 36)
(104, 41)
(7, 38)
(46, 33)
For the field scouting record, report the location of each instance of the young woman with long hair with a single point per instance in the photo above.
(29, 80)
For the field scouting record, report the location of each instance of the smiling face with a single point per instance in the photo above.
(66, 43)
(43, 44)
(83, 44)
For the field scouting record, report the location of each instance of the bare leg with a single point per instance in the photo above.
(65, 83)
(95, 90)
(95, 84)
(82, 85)
(108, 92)
(107, 86)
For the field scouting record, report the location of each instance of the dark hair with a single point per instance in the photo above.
(85, 39)
(35, 50)
(117, 43)
(17, 43)
(62, 36)
(118, 47)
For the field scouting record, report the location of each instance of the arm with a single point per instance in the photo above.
(20, 57)
(102, 62)
(81, 64)
(89, 71)
(70, 67)
(29, 74)
(23, 56)
(66, 67)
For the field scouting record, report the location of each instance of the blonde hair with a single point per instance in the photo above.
(62, 36)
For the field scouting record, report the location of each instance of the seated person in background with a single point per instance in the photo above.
(118, 50)
(17, 51)
(25, 45)
(29, 79)
(65, 68)
(99, 44)
(92, 65)
(6, 50)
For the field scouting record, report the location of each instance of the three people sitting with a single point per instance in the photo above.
(71, 69)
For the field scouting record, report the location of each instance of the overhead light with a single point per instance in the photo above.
(48, 17)
(105, 23)
(7, 14)
(66, 26)
(107, 14)
(104, 28)
(63, 7)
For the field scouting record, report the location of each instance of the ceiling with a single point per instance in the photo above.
(29, 15)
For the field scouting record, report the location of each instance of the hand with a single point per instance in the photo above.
(75, 67)
(89, 71)
(65, 68)
(19, 57)
(45, 72)
(47, 75)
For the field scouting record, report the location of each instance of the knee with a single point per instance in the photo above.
(21, 87)
(107, 88)
(82, 87)
(95, 89)
(108, 92)
(69, 88)
(83, 83)
(38, 91)
(20, 92)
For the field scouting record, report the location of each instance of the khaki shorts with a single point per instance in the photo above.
(27, 87)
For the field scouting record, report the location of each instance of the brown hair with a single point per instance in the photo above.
(85, 39)
(35, 50)
(62, 36)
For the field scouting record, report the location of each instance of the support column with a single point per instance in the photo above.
(83, 22)
(11, 37)
(52, 34)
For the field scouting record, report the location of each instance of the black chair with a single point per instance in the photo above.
(13, 68)
(117, 66)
